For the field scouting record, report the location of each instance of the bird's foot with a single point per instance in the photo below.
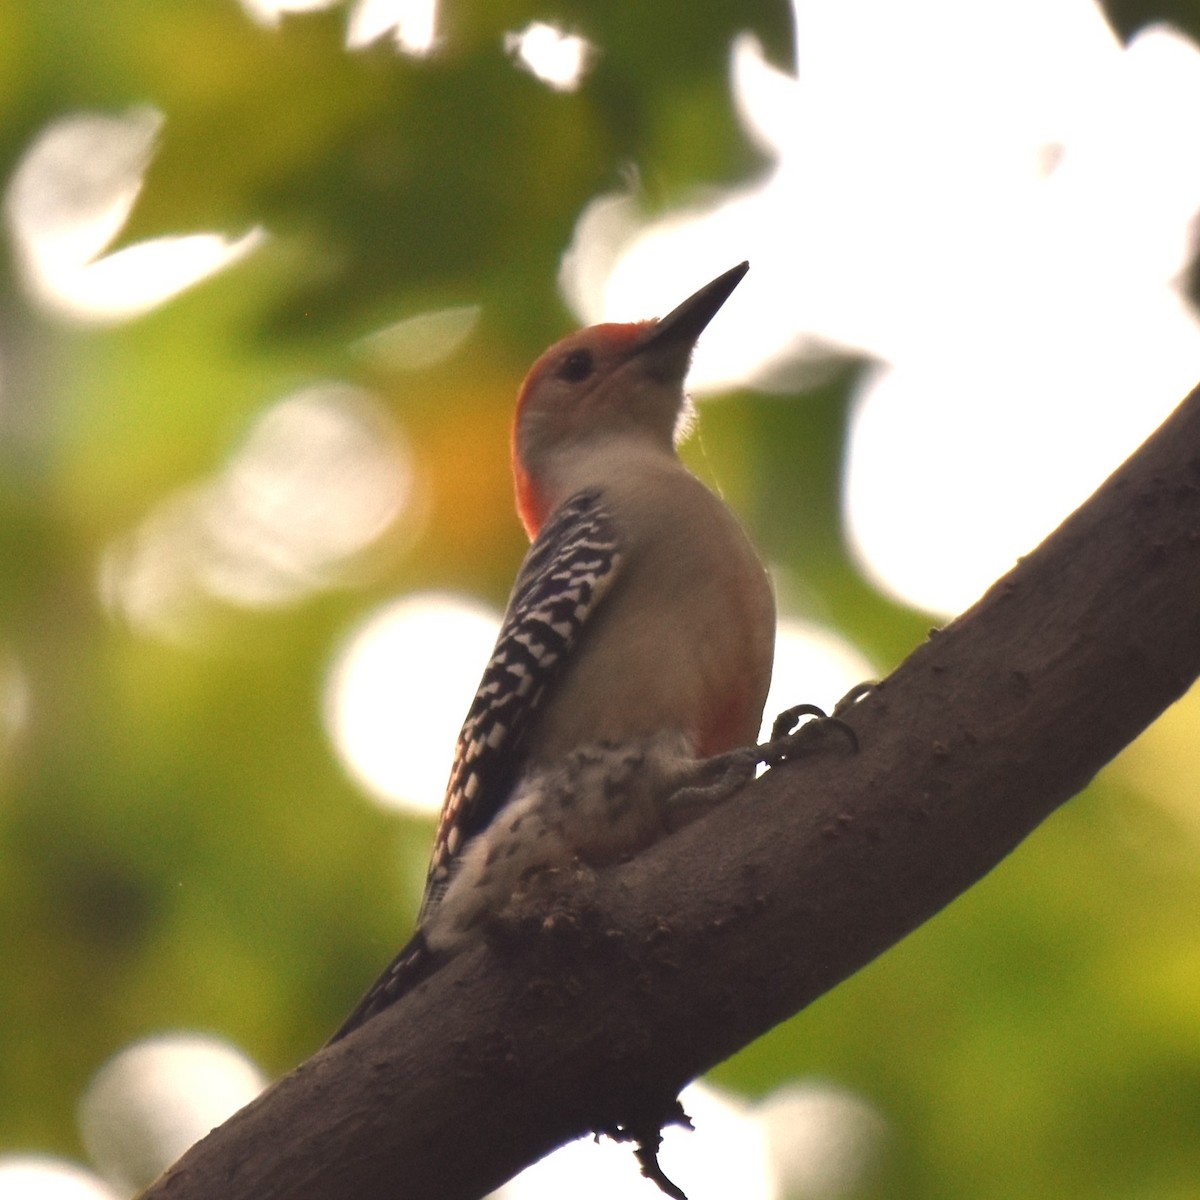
(710, 783)
(790, 739)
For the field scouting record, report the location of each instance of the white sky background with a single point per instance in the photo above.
(993, 201)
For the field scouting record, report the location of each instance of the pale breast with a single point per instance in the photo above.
(685, 638)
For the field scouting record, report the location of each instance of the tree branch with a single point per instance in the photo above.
(593, 1016)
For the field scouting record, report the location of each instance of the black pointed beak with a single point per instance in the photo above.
(671, 340)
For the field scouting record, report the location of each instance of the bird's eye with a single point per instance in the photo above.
(577, 366)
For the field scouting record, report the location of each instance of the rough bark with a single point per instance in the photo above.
(593, 1016)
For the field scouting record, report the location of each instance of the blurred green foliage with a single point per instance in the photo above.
(179, 847)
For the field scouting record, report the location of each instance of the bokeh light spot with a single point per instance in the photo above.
(810, 1140)
(411, 24)
(398, 692)
(422, 341)
(319, 477)
(270, 12)
(155, 1098)
(69, 197)
(39, 1177)
(559, 59)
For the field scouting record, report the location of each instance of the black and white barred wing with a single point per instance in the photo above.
(564, 577)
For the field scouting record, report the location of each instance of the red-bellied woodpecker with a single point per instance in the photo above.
(635, 652)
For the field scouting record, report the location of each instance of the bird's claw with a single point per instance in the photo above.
(787, 720)
(853, 696)
(789, 742)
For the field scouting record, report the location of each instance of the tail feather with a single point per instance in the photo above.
(414, 963)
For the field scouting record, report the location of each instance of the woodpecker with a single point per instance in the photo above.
(628, 681)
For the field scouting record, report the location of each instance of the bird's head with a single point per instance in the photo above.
(608, 381)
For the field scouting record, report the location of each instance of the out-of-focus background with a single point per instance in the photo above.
(272, 274)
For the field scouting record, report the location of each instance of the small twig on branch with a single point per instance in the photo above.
(666, 965)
